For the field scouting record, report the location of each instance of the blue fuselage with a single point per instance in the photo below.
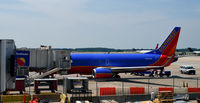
(86, 62)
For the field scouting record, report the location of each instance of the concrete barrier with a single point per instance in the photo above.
(180, 90)
(107, 91)
(193, 90)
(15, 98)
(47, 97)
(112, 91)
(166, 89)
(137, 90)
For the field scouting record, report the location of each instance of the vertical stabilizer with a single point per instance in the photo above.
(169, 45)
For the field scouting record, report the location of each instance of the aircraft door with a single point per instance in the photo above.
(107, 62)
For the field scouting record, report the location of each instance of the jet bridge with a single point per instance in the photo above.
(43, 59)
(48, 61)
(7, 64)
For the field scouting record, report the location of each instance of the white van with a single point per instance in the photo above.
(187, 69)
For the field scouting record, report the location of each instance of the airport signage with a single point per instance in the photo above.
(23, 58)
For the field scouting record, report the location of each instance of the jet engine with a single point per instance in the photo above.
(101, 72)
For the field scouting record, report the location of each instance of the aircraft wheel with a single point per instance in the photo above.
(116, 76)
(93, 76)
(37, 92)
(20, 92)
(52, 91)
(5, 92)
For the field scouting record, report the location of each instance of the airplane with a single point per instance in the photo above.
(195, 52)
(110, 65)
(145, 51)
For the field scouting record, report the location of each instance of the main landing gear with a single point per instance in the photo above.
(116, 76)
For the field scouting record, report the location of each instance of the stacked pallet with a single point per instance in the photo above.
(164, 97)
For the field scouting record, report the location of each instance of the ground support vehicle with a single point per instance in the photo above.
(187, 69)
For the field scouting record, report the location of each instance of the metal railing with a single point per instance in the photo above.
(150, 84)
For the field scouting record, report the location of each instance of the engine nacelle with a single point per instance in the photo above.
(102, 73)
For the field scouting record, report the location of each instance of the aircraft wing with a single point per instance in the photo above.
(131, 69)
(140, 68)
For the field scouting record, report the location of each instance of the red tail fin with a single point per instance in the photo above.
(169, 46)
(157, 46)
(190, 49)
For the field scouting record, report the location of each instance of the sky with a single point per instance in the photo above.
(120, 24)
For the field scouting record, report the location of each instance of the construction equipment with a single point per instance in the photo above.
(164, 97)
